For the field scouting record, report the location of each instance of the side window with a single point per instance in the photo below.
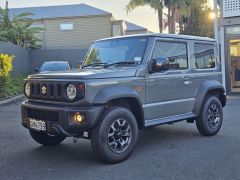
(176, 52)
(204, 56)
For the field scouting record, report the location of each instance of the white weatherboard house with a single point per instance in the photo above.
(76, 26)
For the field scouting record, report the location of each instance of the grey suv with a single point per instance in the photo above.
(126, 84)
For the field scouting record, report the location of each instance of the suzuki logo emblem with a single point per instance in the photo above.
(44, 90)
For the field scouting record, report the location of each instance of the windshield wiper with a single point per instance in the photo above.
(120, 62)
(95, 64)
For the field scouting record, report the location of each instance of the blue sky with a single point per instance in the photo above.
(143, 16)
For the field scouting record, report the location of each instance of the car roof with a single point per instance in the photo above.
(175, 36)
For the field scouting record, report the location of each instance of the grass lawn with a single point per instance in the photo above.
(12, 87)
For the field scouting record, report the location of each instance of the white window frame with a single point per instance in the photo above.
(69, 26)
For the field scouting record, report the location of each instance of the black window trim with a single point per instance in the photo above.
(214, 50)
(180, 41)
(134, 37)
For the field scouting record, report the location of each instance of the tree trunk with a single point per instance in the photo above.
(181, 25)
(169, 19)
(173, 20)
(160, 19)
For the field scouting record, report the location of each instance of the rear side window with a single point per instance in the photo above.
(176, 52)
(204, 56)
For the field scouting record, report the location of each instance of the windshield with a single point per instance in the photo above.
(54, 67)
(117, 50)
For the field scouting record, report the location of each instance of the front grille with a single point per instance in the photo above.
(43, 115)
(51, 91)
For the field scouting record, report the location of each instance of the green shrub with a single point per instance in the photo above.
(12, 86)
(5, 65)
(5, 69)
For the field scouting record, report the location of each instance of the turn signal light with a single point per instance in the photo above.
(81, 87)
(78, 118)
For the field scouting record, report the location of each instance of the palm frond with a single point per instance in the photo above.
(22, 17)
(18, 29)
(154, 4)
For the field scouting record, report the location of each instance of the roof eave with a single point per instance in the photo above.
(72, 17)
(144, 29)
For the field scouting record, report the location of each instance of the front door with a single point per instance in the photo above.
(170, 93)
(235, 65)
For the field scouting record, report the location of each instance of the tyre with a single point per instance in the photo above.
(115, 136)
(211, 117)
(45, 139)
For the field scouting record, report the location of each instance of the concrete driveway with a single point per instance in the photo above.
(166, 152)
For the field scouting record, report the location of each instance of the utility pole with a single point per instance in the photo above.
(6, 5)
(216, 22)
(220, 42)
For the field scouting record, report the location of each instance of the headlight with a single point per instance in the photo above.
(71, 91)
(27, 89)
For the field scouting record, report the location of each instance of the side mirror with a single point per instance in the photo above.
(36, 70)
(159, 65)
(70, 66)
(80, 64)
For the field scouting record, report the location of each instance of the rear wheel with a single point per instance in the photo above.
(211, 117)
(46, 139)
(115, 136)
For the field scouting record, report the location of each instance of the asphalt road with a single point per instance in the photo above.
(166, 152)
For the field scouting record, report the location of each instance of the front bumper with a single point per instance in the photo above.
(59, 119)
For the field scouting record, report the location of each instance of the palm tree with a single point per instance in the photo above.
(4, 20)
(18, 29)
(177, 11)
(197, 22)
(173, 6)
(4, 25)
(157, 5)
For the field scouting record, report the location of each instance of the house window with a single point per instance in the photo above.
(117, 30)
(204, 56)
(66, 26)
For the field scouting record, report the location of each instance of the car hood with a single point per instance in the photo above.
(87, 73)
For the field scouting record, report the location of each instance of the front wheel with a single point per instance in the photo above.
(115, 136)
(45, 139)
(211, 117)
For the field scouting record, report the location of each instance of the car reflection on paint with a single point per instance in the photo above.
(53, 66)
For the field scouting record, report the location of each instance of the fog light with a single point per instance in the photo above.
(78, 118)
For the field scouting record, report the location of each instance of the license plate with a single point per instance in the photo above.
(37, 124)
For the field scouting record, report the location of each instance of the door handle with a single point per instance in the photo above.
(187, 81)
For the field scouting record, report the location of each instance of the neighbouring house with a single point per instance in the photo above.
(135, 29)
(76, 26)
(121, 27)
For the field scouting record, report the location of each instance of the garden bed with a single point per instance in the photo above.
(12, 87)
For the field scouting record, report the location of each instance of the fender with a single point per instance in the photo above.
(202, 91)
(110, 93)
